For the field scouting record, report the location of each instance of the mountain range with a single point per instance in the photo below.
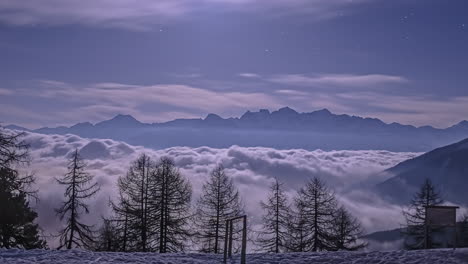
(282, 129)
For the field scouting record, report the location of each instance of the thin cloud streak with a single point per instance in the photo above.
(146, 14)
(99, 101)
(347, 80)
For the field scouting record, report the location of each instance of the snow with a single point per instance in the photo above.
(446, 256)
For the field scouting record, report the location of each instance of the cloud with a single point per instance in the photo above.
(5, 92)
(249, 75)
(252, 169)
(339, 93)
(344, 80)
(98, 101)
(146, 14)
(418, 110)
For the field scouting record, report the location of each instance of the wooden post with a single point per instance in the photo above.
(226, 241)
(230, 238)
(426, 231)
(244, 241)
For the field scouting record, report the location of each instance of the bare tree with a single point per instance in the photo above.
(172, 196)
(218, 202)
(134, 206)
(274, 234)
(415, 215)
(317, 205)
(153, 210)
(79, 187)
(122, 220)
(298, 231)
(13, 150)
(108, 238)
(346, 230)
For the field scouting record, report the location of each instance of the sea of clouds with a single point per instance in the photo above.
(351, 174)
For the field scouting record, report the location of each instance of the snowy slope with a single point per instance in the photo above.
(77, 256)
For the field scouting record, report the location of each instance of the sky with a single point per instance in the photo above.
(63, 62)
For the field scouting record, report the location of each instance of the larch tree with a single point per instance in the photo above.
(298, 232)
(79, 187)
(125, 236)
(317, 206)
(415, 216)
(153, 211)
(219, 201)
(134, 208)
(346, 231)
(108, 238)
(275, 220)
(172, 198)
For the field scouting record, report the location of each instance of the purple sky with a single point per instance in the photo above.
(63, 62)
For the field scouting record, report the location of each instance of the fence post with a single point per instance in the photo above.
(244, 241)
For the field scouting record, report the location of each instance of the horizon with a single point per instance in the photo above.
(231, 117)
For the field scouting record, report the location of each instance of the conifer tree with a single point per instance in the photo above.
(79, 187)
(172, 195)
(298, 233)
(219, 201)
(275, 221)
(121, 220)
(13, 150)
(134, 207)
(346, 231)
(415, 216)
(17, 227)
(108, 238)
(316, 205)
(153, 210)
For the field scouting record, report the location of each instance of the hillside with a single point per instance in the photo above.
(446, 167)
(16, 256)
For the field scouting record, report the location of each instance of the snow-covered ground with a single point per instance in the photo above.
(16, 256)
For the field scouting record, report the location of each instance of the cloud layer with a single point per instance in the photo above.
(253, 170)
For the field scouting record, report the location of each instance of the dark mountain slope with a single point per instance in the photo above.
(447, 167)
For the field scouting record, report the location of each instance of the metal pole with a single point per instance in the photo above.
(244, 241)
(226, 241)
(230, 238)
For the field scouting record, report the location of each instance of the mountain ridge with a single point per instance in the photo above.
(248, 115)
(284, 128)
